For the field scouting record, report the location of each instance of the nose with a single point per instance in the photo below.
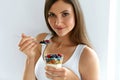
(58, 21)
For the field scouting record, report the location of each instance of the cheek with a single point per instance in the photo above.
(51, 22)
(71, 22)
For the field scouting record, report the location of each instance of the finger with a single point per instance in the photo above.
(28, 46)
(26, 43)
(23, 35)
(61, 72)
(50, 68)
(53, 69)
(54, 77)
(33, 46)
(58, 74)
(24, 39)
(29, 49)
(48, 75)
(53, 72)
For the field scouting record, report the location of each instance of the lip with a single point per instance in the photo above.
(59, 28)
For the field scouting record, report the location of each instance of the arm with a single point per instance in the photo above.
(30, 66)
(29, 70)
(89, 65)
(31, 48)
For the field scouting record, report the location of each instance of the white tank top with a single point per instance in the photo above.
(74, 61)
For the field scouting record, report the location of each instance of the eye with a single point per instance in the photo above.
(65, 14)
(51, 15)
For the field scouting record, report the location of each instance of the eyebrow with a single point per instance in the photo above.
(62, 11)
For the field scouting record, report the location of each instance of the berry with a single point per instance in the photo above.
(47, 41)
(49, 56)
(44, 42)
(60, 55)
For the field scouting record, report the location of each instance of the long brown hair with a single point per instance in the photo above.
(79, 34)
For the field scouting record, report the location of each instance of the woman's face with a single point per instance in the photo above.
(61, 18)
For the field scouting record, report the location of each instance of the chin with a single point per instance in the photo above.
(62, 34)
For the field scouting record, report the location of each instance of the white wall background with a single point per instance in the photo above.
(118, 42)
(114, 42)
(26, 16)
(97, 21)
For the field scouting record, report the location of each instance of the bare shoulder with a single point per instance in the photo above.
(89, 55)
(41, 36)
(89, 64)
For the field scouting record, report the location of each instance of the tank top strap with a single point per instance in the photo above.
(48, 36)
(79, 50)
(76, 58)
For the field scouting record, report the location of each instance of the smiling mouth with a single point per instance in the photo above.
(59, 28)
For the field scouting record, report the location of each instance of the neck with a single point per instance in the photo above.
(62, 40)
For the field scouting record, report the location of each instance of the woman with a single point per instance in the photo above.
(64, 19)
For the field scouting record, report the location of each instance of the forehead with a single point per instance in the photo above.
(59, 6)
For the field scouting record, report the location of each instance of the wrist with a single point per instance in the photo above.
(30, 60)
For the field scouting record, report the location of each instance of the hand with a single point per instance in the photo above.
(57, 74)
(28, 45)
